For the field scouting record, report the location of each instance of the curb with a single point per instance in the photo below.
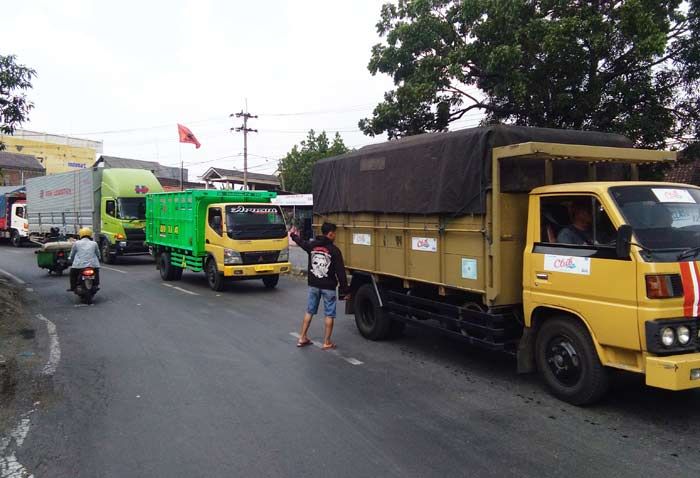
(8, 374)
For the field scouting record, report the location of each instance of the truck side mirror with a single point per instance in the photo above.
(307, 229)
(110, 208)
(216, 223)
(624, 241)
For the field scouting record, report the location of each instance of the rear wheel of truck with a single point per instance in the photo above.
(214, 277)
(271, 281)
(168, 272)
(106, 253)
(568, 362)
(370, 319)
(16, 239)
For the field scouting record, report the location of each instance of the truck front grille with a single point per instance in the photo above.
(262, 257)
(135, 234)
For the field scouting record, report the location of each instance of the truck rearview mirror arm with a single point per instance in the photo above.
(624, 241)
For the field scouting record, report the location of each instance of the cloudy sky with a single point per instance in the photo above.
(126, 72)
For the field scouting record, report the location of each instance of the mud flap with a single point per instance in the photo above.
(526, 351)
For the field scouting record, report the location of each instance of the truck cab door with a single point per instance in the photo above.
(18, 219)
(574, 267)
(214, 235)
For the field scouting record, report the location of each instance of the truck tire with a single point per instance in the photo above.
(370, 319)
(107, 256)
(568, 362)
(214, 277)
(16, 239)
(167, 271)
(271, 281)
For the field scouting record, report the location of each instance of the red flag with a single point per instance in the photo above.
(186, 136)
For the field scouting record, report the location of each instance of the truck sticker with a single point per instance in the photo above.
(567, 264)
(362, 239)
(469, 270)
(673, 195)
(690, 279)
(427, 244)
(140, 189)
(55, 193)
(254, 210)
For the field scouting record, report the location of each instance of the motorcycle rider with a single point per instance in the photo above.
(84, 253)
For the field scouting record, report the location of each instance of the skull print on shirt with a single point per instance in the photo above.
(320, 262)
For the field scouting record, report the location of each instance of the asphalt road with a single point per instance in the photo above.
(155, 381)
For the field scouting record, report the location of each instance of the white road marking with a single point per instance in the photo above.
(29, 289)
(9, 466)
(54, 347)
(350, 360)
(12, 276)
(180, 289)
(115, 270)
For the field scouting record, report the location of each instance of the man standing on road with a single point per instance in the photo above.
(326, 271)
(84, 254)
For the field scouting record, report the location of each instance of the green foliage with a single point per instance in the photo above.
(296, 166)
(627, 66)
(14, 105)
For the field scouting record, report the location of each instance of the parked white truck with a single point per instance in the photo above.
(13, 215)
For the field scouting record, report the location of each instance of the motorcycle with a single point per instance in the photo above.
(86, 287)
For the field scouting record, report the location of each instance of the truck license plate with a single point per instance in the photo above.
(264, 268)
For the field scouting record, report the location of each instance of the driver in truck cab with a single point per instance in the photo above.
(579, 231)
(84, 253)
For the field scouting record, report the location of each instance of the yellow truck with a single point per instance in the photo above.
(541, 243)
(228, 235)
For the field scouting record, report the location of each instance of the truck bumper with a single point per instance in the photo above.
(675, 372)
(257, 270)
(131, 247)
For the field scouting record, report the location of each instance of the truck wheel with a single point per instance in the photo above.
(214, 277)
(107, 256)
(370, 319)
(568, 362)
(16, 239)
(271, 281)
(167, 271)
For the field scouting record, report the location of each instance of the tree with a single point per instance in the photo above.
(627, 66)
(296, 166)
(14, 105)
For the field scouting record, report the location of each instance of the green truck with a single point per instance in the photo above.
(230, 235)
(110, 201)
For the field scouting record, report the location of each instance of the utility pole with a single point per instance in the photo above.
(244, 128)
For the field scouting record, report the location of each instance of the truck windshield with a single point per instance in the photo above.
(255, 222)
(665, 219)
(131, 208)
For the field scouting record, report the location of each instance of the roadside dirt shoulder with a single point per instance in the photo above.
(19, 355)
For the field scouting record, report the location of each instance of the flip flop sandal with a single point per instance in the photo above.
(330, 346)
(304, 344)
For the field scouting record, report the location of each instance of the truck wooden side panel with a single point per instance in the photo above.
(432, 249)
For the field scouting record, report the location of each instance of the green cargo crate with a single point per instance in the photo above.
(177, 219)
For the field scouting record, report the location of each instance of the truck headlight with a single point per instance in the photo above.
(232, 257)
(668, 336)
(683, 334)
(284, 255)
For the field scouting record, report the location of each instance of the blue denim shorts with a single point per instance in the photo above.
(329, 299)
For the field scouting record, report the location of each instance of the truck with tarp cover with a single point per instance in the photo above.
(537, 242)
(110, 201)
(227, 234)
